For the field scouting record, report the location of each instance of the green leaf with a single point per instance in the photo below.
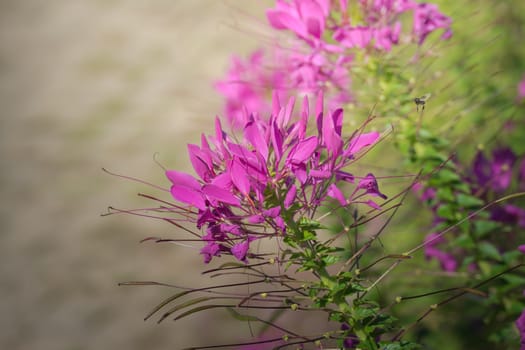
(489, 251)
(446, 211)
(445, 194)
(485, 227)
(468, 201)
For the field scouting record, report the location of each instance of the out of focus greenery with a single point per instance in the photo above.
(472, 80)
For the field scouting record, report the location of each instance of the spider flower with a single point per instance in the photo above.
(306, 18)
(496, 173)
(248, 187)
(249, 84)
(428, 19)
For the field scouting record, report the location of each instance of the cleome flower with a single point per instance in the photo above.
(251, 187)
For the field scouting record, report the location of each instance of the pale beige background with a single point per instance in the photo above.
(91, 84)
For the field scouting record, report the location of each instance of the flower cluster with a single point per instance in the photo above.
(251, 187)
(249, 84)
(488, 179)
(321, 57)
(381, 26)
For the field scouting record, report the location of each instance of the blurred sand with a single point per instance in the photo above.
(91, 84)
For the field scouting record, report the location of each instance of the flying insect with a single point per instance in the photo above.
(421, 101)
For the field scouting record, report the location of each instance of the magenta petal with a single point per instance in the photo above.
(336, 193)
(303, 150)
(275, 17)
(272, 212)
(313, 17)
(362, 140)
(344, 176)
(189, 196)
(221, 195)
(287, 112)
(521, 248)
(239, 176)
(290, 197)
(256, 219)
(277, 141)
(239, 250)
(223, 180)
(182, 179)
(331, 139)
(253, 134)
(313, 26)
(197, 157)
(210, 250)
(276, 104)
(373, 204)
(279, 221)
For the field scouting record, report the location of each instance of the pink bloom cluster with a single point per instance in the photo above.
(320, 59)
(249, 187)
(248, 84)
(310, 19)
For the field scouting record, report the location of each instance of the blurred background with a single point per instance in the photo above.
(92, 84)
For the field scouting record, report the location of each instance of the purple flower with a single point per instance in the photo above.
(509, 214)
(369, 184)
(427, 19)
(497, 174)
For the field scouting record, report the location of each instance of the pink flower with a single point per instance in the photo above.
(248, 85)
(306, 18)
(428, 19)
(273, 171)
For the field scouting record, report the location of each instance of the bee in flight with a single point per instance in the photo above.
(420, 101)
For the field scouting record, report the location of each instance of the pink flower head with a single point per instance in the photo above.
(306, 18)
(248, 85)
(240, 180)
